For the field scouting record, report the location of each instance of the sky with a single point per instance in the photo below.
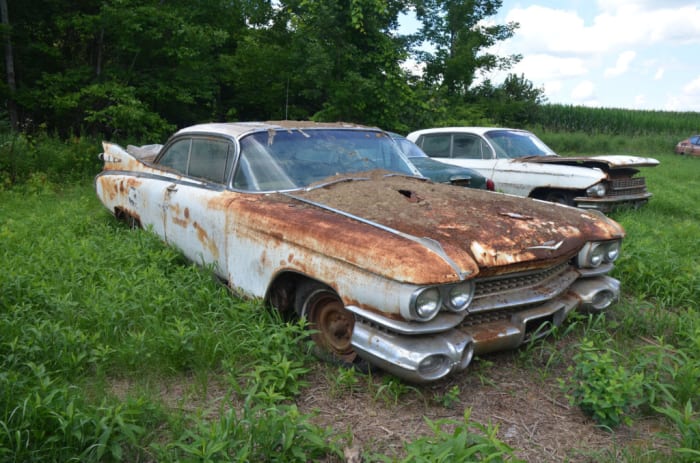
(633, 54)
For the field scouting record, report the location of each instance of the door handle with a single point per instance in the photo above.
(172, 187)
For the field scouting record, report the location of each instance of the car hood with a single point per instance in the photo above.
(444, 173)
(425, 232)
(605, 162)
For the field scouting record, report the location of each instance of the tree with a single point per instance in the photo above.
(345, 61)
(9, 65)
(459, 37)
(513, 103)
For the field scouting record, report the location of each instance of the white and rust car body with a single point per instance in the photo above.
(411, 276)
(521, 164)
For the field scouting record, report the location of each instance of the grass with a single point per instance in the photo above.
(95, 318)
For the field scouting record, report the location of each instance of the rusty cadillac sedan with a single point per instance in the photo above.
(331, 222)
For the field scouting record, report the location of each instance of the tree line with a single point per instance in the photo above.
(138, 69)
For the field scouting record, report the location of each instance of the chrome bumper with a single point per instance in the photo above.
(608, 203)
(428, 357)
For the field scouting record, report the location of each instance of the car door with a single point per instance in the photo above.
(195, 221)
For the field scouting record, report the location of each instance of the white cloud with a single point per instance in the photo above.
(692, 88)
(552, 88)
(583, 91)
(622, 65)
(659, 74)
(547, 67)
(617, 25)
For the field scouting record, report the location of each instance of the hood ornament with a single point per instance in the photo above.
(549, 245)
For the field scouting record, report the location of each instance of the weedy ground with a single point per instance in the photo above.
(114, 348)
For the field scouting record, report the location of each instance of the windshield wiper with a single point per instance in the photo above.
(333, 182)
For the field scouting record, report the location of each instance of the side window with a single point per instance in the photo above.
(209, 159)
(437, 145)
(466, 146)
(695, 140)
(177, 156)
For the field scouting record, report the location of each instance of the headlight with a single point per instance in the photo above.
(426, 304)
(598, 190)
(612, 251)
(460, 296)
(593, 254)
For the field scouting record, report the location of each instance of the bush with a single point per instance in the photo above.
(605, 391)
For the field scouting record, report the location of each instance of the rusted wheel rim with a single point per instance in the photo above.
(332, 323)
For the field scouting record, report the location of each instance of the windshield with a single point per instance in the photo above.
(517, 144)
(291, 159)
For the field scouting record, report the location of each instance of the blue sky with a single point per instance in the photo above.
(636, 54)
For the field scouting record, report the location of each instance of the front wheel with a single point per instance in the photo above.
(331, 323)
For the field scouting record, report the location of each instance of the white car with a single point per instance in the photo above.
(521, 164)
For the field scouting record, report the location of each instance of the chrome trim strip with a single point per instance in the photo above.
(428, 243)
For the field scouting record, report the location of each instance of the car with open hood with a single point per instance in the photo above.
(521, 164)
(331, 222)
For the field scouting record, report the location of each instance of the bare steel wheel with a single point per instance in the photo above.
(331, 322)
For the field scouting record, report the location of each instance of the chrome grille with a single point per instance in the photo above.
(627, 186)
(480, 318)
(498, 285)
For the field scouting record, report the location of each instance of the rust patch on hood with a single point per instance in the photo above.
(492, 229)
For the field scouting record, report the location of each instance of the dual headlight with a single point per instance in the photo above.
(427, 302)
(597, 191)
(595, 253)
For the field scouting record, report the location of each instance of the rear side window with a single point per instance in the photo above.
(177, 157)
(203, 158)
(437, 145)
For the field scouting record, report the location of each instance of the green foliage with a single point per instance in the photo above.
(602, 388)
(459, 39)
(45, 419)
(344, 381)
(687, 436)
(392, 389)
(467, 442)
(77, 316)
(655, 263)
(261, 433)
(35, 161)
(450, 398)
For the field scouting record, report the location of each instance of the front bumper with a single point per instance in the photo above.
(608, 203)
(428, 357)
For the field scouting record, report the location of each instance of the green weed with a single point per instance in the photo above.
(603, 389)
(466, 441)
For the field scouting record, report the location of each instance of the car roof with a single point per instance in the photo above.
(236, 129)
(477, 130)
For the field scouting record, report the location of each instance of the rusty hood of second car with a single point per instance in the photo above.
(488, 229)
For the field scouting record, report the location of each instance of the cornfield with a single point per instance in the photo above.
(611, 121)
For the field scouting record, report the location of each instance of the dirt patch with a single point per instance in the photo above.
(532, 413)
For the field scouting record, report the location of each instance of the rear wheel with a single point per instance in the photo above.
(327, 317)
